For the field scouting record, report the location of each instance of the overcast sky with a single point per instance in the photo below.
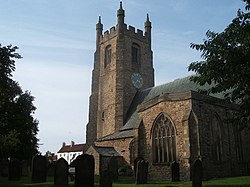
(57, 41)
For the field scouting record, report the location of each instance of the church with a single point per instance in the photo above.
(130, 117)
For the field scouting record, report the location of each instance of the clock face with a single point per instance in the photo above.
(137, 80)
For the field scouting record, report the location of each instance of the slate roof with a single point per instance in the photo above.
(73, 148)
(133, 119)
(176, 86)
(106, 151)
(118, 135)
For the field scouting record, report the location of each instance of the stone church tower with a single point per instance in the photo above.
(123, 65)
(167, 125)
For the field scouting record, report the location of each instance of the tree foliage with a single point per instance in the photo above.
(247, 4)
(226, 63)
(18, 128)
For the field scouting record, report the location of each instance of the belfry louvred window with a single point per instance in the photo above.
(164, 140)
(136, 53)
(107, 58)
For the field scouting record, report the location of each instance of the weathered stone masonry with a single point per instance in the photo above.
(124, 120)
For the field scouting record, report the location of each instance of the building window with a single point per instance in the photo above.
(107, 58)
(103, 116)
(132, 151)
(216, 145)
(135, 55)
(238, 143)
(164, 140)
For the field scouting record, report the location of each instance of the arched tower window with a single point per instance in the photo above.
(136, 52)
(107, 58)
(216, 145)
(164, 140)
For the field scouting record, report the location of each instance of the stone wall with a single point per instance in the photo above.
(176, 112)
(120, 145)
(106, 108)
(116, 92)
(192, 114)
(206, 109)
(95, 154)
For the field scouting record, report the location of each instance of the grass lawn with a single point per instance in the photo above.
(243, 181)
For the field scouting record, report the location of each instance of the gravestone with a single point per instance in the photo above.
(104, 162)
(72, 167)
(25, 168)
(61, 173)
(175, 169)
(138, 159)
(84, 171)
(197, 173)
(113, 168)
(39, 169)
(14, 170)
(51, 169)
(106, 179)
(248, 168)
(141, 172)
(4, 168)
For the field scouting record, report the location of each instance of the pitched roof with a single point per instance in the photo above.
(142, 97)
(118, 135)
(176, 86)
(133, 120)
(106, 151)
(73, 148)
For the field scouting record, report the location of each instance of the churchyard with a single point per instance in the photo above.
(129, 182)
(41, 175)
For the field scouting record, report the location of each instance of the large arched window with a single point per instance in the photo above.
(216, 143)
(136, 52)
(164, 140)
(107, 58)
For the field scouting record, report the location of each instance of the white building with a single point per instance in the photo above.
(70, 152)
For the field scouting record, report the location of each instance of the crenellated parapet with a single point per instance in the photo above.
(112, 32)
(121, 29)
(128, 31)
(136, 33)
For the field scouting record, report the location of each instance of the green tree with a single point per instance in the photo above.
(18, 128)
(226, 63)
(49, 155)
(247, 4)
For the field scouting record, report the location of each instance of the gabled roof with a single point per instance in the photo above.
(73, 148)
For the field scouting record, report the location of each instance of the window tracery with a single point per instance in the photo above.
(164, 140)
